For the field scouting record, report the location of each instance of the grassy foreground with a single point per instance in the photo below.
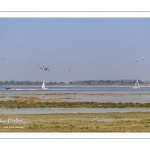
(80, 122)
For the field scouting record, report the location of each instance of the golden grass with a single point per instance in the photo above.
(134, 122)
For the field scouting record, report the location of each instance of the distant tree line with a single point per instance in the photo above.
(86, 82)
(107, 82)
(28, 83)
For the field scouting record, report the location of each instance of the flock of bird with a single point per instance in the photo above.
(47, 69)
(43, 67)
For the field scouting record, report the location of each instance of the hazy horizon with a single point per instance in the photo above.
(91, 48)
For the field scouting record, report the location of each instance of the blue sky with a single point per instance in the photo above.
(92, 48)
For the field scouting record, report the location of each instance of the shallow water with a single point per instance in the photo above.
(70, 110)
(67, 94)
(70, 89)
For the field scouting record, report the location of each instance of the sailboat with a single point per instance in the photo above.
(43, 86)
(137, 86)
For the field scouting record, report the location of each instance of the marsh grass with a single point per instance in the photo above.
(34, 102)
(2, 96)
(67, 98)
(42, 123)
(15, 96)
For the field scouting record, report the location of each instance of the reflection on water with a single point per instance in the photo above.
(70, 110)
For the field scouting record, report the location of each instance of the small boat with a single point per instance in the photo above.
(43, 86)
(13, 88)
(137, 86)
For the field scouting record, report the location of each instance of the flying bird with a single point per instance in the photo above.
(42, 67)
(143, 58)
(45, 68)
(135, 60)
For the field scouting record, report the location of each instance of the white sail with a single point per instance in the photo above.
(136, 85)
(43, 86)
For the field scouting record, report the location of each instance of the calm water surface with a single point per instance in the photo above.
(74, 89)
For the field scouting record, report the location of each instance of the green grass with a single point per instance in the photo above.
(33, 102)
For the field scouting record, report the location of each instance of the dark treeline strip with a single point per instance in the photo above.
(29, 83)
(28, 104)
(86, 82)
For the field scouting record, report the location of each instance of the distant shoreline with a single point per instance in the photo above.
(130, 86)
